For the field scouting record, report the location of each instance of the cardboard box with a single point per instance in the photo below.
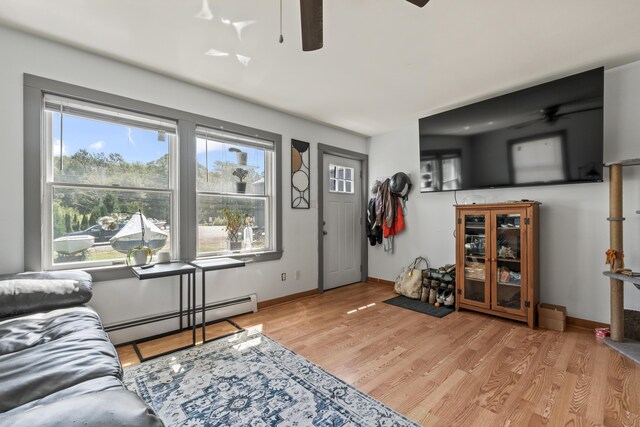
(552, 317)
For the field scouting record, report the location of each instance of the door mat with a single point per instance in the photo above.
(419, 306)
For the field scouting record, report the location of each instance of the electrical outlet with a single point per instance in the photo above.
(297, 274)
(283, 277)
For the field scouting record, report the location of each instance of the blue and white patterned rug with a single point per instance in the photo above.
(250, 380)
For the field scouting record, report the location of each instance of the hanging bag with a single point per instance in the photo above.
(409, 282)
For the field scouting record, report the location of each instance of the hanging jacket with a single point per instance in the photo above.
(385, 205)
(398, 223)
(374, 232)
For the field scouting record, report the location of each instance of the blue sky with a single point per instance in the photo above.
(135, 145)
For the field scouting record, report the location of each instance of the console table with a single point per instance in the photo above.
(169, 270)
(212, 265)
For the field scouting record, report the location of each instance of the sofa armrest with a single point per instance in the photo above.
(43, 291)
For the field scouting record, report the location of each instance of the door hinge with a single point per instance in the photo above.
(459, 220)
(459, 291)
(527, 304)
(527, 221)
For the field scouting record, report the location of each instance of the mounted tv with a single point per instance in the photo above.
(547, 134)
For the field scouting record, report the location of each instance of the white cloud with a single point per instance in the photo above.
(131, 141)
(97, 146)
(56, 148)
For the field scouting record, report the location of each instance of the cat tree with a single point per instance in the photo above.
(615, 257)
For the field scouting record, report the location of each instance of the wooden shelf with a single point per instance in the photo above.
(473, 227)
(474, 280)
(510, 284)
(508, 260)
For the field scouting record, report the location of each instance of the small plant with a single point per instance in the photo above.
(141, 255)
(235, 221)
(240, 173)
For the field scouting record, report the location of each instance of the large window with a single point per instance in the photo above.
(103, 168)
(235, 188)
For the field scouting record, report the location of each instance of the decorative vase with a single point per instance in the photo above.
(241, 158)
(241, 187)
(235, 246)
(140, 257)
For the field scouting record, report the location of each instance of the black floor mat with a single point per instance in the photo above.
(419, 306)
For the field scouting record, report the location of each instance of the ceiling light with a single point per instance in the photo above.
(205, 12)
(239, 26)
(244, 60)
(214, 52)
(490, 123)
(466, 128)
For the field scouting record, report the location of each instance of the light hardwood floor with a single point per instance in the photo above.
(466, 369)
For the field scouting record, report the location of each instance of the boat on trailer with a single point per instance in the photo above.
(71, 245)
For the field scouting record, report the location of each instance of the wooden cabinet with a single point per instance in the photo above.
(497, 259)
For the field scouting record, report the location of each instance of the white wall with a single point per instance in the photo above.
(574, 233)
(128, 299)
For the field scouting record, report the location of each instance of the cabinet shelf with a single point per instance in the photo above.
(474, 280)
(474, 227)
(509, 260)
(510, 284)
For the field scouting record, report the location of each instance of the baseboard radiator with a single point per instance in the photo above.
(127, 331)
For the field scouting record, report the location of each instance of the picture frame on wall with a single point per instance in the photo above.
(300, 175)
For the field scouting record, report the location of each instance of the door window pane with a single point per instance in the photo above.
(341, 179)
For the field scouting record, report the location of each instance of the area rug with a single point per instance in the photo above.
(249, 379)
(419, 306)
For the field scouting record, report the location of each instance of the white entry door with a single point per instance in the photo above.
(342, 235)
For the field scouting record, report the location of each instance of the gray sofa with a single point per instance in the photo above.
(57, 365)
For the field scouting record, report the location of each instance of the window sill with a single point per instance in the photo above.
(120, 272)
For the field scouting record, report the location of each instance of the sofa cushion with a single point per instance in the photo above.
(31, 292)
(102, 409)
(59, 356)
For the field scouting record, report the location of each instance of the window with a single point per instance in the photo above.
(538, 159)
(440, 170)
(94, 160)
(235, 187)
(104, 166)
(340, 179)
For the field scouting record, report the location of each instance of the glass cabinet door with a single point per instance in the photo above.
(507, 293)
(475, 289)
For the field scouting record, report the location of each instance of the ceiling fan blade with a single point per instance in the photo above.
(311, 18)
(419, 3)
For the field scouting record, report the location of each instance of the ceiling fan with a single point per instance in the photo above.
(551, 114)
(311, 19)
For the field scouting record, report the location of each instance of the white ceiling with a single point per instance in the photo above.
(384, 64)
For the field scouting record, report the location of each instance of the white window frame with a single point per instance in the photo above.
(269, 195)
(48, 183)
